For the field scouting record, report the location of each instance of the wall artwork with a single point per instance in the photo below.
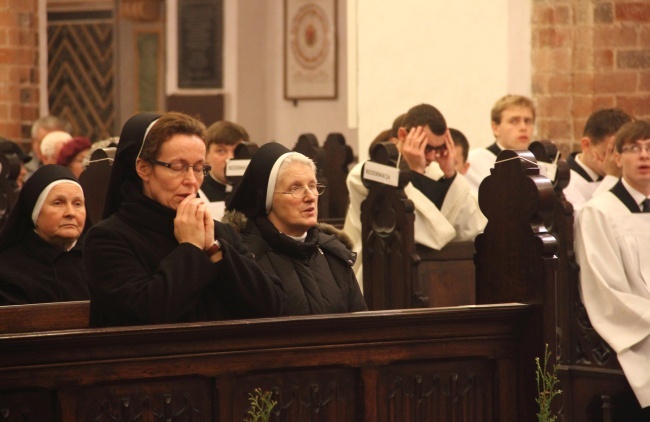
(310, 49)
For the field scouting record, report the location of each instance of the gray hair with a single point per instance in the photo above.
(294, 158)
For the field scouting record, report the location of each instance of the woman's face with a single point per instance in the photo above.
(76, 165)
(294, 216)
(167, 186)
(63, 215)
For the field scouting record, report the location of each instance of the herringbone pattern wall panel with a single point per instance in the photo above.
(81, 75)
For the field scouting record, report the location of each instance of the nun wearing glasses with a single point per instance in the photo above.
(158, 256)
(276, 209)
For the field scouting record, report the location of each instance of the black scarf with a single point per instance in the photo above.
(285, 244)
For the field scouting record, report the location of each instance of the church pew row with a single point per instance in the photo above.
(430, 278)
(458, 364)
(593, 384)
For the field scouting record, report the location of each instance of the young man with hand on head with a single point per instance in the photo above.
(513, 120)
(594, 169)
(445, 210)
(612, 244)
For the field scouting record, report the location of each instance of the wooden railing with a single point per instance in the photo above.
(457, 364)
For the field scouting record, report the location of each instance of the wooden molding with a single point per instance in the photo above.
(140, 10)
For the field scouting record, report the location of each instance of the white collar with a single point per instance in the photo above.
(594, 176)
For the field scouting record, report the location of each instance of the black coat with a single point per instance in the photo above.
(139, 274)
(36, 271)
(317, 273)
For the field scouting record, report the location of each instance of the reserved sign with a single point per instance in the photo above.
(381, 173)
(236, 168)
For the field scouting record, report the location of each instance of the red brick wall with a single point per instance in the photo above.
(19, 89)
(588, 54)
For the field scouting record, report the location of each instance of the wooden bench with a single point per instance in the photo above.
(94, 181)
(44, 317)
(426, 277)
(465, 363)
(339, 158)
(454, 364)
(593, 383)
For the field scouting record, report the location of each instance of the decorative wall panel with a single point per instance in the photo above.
(81, 71)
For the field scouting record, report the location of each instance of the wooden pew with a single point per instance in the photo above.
(94, 181)
(593, 383)
(44, 317)
(455, 364)
(339, 158)
(427, 277)
(465, 363)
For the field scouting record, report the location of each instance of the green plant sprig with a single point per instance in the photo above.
(546, 388)
(261, 406)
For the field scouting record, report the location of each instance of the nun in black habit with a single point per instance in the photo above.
(41, 241)
(276, 209)
(158, 257)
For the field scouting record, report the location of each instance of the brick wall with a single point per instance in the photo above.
(19, 93)
(588, 54)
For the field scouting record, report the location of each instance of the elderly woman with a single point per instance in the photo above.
(276, 209)
(40, 246)
(158, 256)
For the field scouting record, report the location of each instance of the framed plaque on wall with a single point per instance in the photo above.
(310, 49)
(200, 43)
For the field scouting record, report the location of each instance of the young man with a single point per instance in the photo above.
(444, 208)
(222, 138)
(462, 150)
(594, 169)
(612, 242)
(513, 120)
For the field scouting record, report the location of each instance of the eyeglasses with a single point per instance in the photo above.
(428, 149)
(299, 192)
(179, 168)
(636, 148)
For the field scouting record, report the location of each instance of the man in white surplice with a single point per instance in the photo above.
(594, 169)
(613, 250)
(445, 210)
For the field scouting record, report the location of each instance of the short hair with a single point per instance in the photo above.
(51, 140)
(224, 132)
(168, 125)
(71, 149)
(425, 114)
(631, 132)
(50, 123)
(508, 101)
(460, 140)
(604, 123)
(397, 123)
(294, 158)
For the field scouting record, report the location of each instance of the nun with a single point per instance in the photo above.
(40, 243)
(276, 209)
(158, 256)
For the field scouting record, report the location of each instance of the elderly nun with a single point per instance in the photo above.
(40, 243)
(276, 209)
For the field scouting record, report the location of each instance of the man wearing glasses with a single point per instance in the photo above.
(612, 244)
(445, 210)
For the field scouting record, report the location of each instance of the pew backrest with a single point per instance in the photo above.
(44, 317)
